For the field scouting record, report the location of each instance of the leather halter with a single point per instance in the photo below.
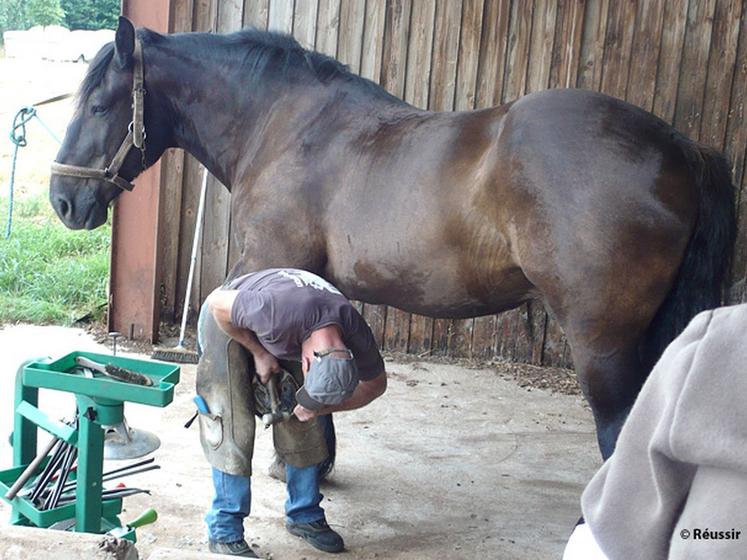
(135, 136)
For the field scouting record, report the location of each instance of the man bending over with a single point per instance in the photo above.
(263, 323)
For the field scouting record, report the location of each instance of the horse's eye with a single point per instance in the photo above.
(98, 109)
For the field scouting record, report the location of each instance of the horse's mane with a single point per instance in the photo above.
(271, 51)
(264, 54)
(96, 72)
(257, 54)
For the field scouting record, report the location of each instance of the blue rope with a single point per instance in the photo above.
(18, 137)
(10, 194)
(51, 132)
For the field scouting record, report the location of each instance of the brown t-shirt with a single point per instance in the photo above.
(283, 306)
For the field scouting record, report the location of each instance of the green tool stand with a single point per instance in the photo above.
(100, 402)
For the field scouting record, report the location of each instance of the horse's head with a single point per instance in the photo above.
(105, 146)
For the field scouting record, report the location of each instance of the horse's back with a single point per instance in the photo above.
(492, 207)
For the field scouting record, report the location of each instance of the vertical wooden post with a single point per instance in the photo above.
(133, 281)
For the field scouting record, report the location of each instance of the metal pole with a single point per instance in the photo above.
(30, 470)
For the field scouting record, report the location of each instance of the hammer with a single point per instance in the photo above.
(276, 415)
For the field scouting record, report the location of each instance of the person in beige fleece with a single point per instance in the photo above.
(676, 486)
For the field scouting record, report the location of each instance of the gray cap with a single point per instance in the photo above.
(330, 380)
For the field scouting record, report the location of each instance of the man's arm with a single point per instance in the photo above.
(364, 393)
(220, 302)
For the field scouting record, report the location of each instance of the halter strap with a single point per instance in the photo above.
(90, 173)
(135, 135)
(138, 99)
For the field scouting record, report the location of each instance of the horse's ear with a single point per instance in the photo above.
(124, 42)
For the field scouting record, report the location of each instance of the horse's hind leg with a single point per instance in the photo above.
(605, 327)
(610, 382)
(605, 319)
(606, 296)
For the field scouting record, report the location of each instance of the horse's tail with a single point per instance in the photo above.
(701, 279)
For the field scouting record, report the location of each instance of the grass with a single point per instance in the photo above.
(49, 274)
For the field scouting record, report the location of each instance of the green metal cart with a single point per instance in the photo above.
(100, 402)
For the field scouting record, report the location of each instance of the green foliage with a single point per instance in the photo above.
(75, 14)
(45, 12)
(49, 274)
(14, 15)
(91, 14)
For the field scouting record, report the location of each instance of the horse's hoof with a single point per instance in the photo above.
(276, 469)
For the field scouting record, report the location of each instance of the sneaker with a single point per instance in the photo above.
(238, 548)
(317, 534)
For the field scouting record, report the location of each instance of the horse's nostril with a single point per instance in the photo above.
(63, 207)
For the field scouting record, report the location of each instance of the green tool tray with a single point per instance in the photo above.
(57, 375)
(46, 518)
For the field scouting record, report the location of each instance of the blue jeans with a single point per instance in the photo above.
(233, 499)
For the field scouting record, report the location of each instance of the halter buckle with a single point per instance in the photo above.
(135, 139)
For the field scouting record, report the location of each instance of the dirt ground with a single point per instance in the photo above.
(451, 462)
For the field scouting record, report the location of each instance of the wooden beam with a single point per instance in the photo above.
(134, 281)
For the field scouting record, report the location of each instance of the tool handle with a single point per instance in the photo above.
(146, 518)
(272, 388)
(201, 405)
(193, 258)
(29, 471)
(90, 364)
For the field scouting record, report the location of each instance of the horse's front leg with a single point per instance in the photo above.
(271, 242)
(280, 237)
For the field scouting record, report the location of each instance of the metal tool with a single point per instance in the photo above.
(30, 470)
(122, 472)
(110, 494)
(72, 485)
(71, 453)
(114, 335)
(274, 401)
(115, 372)
(46, 475)
(276, 414)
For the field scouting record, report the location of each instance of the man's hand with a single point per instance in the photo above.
(304, 414)
(266, 365)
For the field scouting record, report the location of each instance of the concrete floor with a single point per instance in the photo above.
(450, 463)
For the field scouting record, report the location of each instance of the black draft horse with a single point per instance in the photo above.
(622, 225)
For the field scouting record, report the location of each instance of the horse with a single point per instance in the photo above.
(619, 223)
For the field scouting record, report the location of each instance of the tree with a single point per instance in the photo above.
(45, 12)
(91, 14)
(13, 16)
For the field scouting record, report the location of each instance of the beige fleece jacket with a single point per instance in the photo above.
(680, 466)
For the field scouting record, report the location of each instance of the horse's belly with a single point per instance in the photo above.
(440, 287)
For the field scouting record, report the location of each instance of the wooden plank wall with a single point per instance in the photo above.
(684, 60)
